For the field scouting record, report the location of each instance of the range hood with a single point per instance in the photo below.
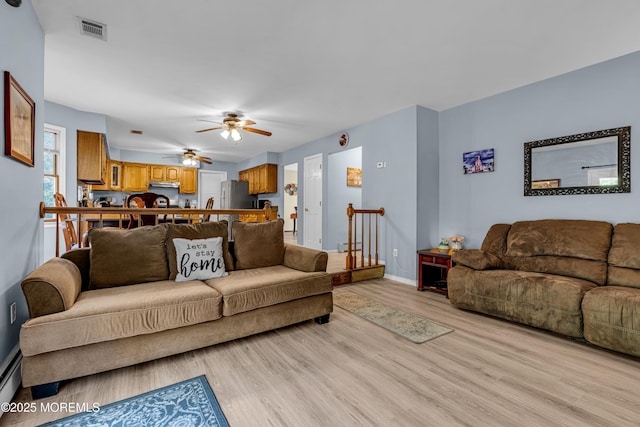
(164, 184)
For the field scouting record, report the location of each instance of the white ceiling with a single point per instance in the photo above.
(308, 69)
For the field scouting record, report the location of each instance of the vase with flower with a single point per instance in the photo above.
(455, 242)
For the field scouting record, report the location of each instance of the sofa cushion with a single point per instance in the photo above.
(200, 230)
(495, 242)
(542, 300)
(612, 318)
(476, 259)
(555, 237)
(624, 256)
(120, 312)
(124, 257)
(258, 244)
(199, 259)
(245, 290)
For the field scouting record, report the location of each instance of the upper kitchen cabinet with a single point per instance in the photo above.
(262, 179)
(113, 180)
(165, 173)
(92, 158)
(189, 181)
(135, 177)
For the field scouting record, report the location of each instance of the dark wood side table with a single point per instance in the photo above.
(433, 266)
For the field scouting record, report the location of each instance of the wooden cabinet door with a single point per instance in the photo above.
(243, 176)
(188, 181)
(135, 177)
(91, 157)
(157, 172)
(172, 173)
(115, 176)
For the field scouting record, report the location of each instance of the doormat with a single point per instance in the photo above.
(188, 403)
(412, 327)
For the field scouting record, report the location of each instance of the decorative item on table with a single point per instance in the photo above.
(444, 245)
(455, 242)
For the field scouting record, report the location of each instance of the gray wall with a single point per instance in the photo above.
(340, 195)
(22, 54)
(601, 96)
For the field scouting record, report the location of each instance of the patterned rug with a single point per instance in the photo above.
(188, 403)
(412, 327)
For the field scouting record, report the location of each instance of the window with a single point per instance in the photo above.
(54, 161)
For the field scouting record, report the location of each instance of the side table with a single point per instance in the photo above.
(433, 266)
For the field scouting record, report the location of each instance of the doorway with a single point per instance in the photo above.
(312, 221)
(290, 198)
(210, 187)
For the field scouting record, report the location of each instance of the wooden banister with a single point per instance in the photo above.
(366, 240)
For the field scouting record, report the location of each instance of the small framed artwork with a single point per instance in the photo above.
(546, 183)
(354, 177)
(478, 161)
(19, 122)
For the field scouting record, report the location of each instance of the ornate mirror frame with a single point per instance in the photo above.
(624, 163)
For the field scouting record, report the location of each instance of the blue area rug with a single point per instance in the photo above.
(188, 403)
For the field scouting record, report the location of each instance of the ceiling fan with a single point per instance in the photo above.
(231, 126)
(189, 158)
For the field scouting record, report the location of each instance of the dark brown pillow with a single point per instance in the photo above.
(124, 257)
(199, 230)
(258, 244)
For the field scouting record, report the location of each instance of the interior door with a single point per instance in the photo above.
(312, 223)
(210, 187)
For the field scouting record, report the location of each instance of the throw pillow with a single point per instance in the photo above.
(125, 257)
(199, 259)
(258, 244)
(200, 230)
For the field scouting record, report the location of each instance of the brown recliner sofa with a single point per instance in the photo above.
(122, 302)
(574, 277)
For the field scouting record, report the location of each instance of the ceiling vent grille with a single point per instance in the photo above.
(93, 29)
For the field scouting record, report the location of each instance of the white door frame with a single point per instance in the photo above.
(312, 223)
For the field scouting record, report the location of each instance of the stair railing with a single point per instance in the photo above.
(368, 239)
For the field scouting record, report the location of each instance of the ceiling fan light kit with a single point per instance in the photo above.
(232, 125)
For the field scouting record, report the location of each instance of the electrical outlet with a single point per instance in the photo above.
(395, 252)
(14, 315)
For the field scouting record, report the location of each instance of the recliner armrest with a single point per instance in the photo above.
(476, 259)
(51, 288)
(305, 259)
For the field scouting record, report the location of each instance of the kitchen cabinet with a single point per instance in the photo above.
(91, 158)
(189, 181)
(135, 177)
(113, 179)
(164, 173)
(259, 217)
(262, 179)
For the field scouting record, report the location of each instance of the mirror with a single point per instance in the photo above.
(587, 163)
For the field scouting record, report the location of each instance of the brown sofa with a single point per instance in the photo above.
(132, 298)
(574, 277)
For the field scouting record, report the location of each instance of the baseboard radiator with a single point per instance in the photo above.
(344, 247)
(11, 376)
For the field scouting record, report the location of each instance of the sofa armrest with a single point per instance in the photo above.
(305, 259)
(51, 288)
(476, 259)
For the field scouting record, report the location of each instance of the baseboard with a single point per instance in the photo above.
(11, 375)
(402, 280)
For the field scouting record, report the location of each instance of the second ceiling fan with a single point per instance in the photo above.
(232, 125)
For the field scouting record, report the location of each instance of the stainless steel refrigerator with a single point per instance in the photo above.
(235, 195)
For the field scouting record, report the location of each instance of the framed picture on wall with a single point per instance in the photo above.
(478, 161)
(19, 122)
(354, 177)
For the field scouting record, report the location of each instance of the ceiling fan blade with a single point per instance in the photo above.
(206, 160)
(243, 123)
(261, 132)
(207, 130)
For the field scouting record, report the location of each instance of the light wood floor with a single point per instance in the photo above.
(350, 372)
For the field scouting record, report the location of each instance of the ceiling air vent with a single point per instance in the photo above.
(93, 29)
